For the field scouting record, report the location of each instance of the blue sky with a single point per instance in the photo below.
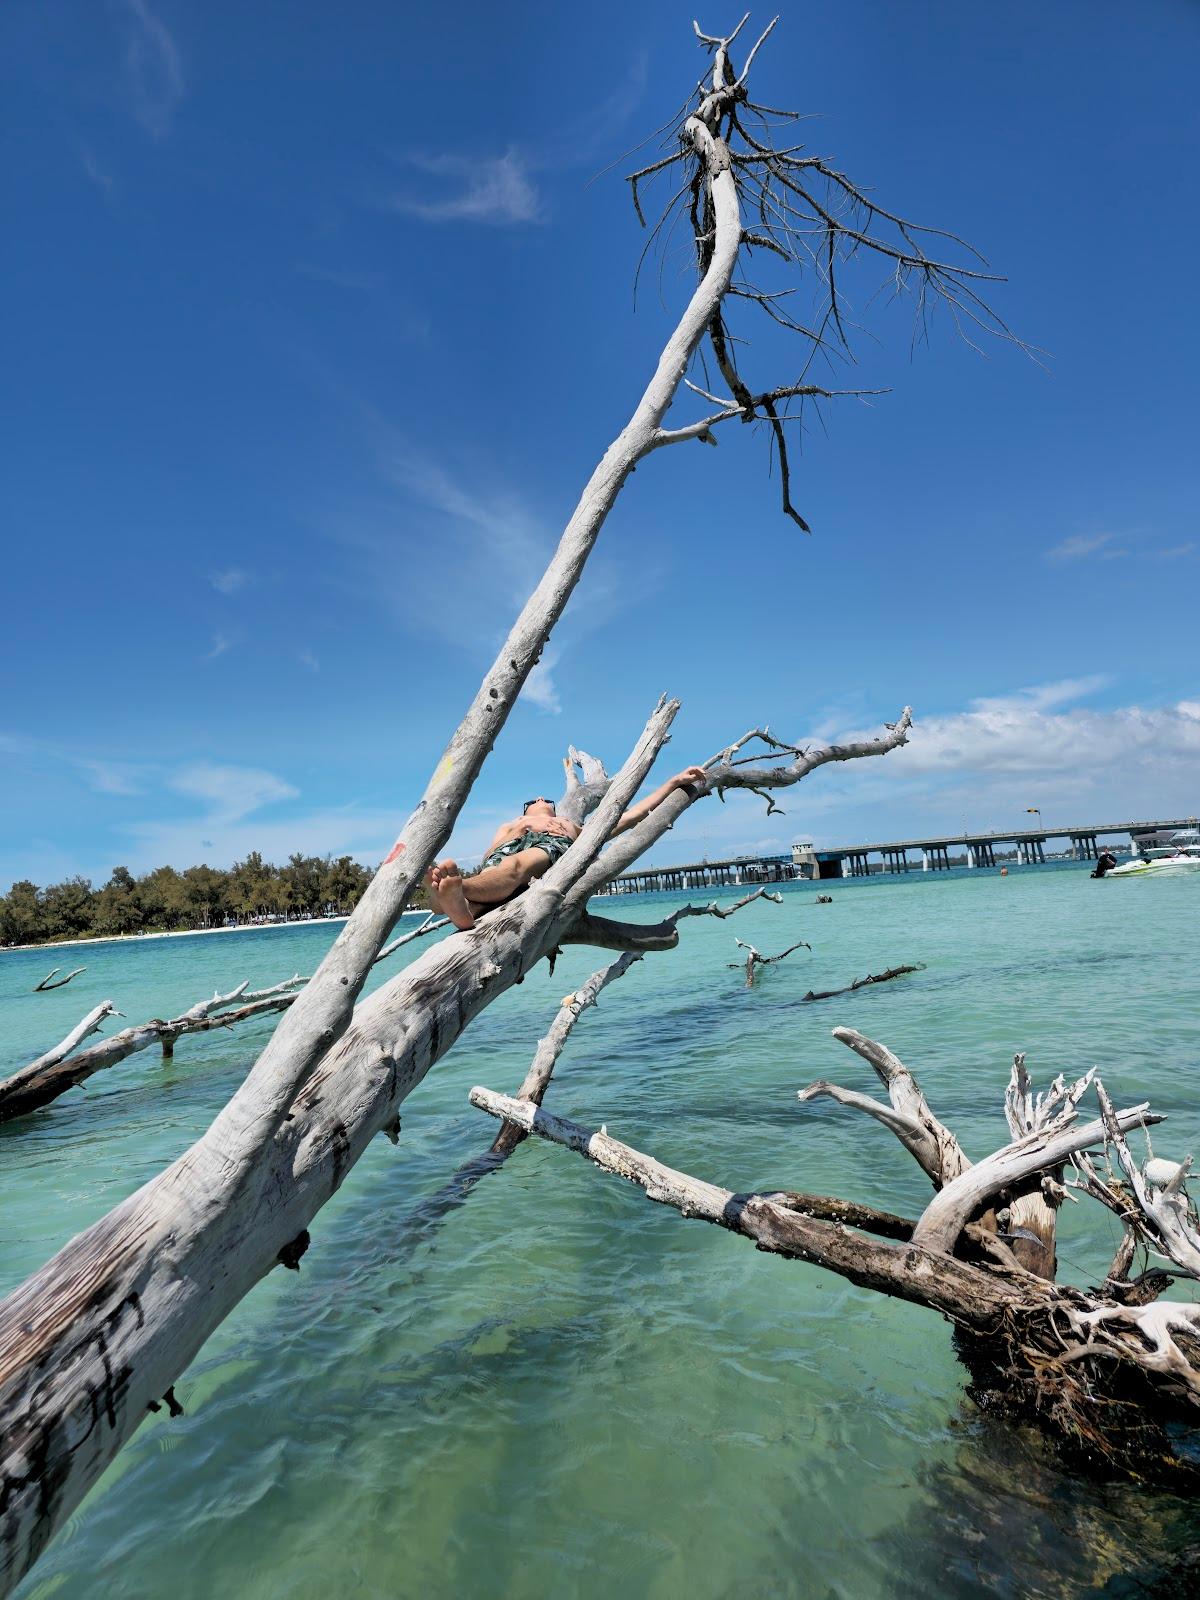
(316, 326)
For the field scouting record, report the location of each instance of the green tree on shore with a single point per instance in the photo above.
(165, 901)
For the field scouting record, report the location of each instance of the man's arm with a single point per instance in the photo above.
(681, 780)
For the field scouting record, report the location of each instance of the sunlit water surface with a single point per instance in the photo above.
(557, 1388)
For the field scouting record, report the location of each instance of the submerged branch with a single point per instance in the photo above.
(863, 983)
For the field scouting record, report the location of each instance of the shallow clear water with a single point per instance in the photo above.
(556, 1387)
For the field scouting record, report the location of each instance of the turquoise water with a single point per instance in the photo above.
(556, 1388)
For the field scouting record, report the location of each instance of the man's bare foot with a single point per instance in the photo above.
(444, 883)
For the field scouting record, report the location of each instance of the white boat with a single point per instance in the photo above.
(1173, 858)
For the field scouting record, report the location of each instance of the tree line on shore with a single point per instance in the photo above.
(166, 900)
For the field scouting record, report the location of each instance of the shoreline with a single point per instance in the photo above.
(183, 933)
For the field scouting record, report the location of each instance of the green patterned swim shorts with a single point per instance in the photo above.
(554, 844)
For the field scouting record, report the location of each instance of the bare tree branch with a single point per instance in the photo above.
(46, 985)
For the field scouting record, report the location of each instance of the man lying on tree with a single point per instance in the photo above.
(522, 850)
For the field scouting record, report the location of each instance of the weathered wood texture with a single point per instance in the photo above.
(1108, 1378)
(51, 1075)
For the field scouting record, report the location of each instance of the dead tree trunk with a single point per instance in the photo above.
(105, 1328)
(755, 958)
(51, 1075)
(1107, 1373)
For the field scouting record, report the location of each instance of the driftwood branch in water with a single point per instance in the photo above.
(1109, 1375)
(45, 985)
(85, 1026)
(862, 983)
(537, 1079)
(754, 958)
(52, 1074)
(541, 1068)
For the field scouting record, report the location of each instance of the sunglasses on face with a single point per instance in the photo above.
(540, 801)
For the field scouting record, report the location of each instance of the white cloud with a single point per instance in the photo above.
(307, 659)
(231, 791)
(1045, 696)
(492, 190)
(109, 777)
(220, 644)
(334, 831)
(340, 278)
(976, 768)
(103, 180)
(1031, 732)
(1079, 546)
(540, 689)
(230, 580)
(1175, 551)
(153, 69)
(491, 546)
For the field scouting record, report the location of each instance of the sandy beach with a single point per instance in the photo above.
(185, 933)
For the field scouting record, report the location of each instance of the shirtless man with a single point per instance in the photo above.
(522, 850)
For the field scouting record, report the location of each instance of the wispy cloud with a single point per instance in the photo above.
(112, 777)
(229, 791)
(441, 526)
(153, 69)
(1080, 546)
(101, 775)
(1043, 731)
(233, 817)
(540, 689)
(307, 659)
(229, 581)
(341, 278)
(104, 181)
(1175, 551)
(495, 190)
(220, 644)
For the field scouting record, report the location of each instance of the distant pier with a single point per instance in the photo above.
(1025, 846)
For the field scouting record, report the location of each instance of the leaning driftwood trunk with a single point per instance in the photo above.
(166, 1266)
(95, 1338)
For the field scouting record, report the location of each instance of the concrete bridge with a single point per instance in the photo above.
(1026, 845)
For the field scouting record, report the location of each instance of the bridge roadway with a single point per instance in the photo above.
(851, 861)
